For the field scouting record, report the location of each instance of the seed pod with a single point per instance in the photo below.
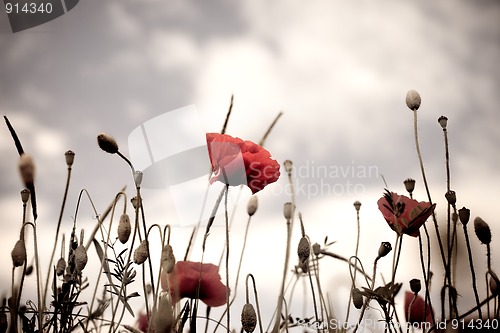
(482, 230)
(29, 270)
(18, 253)
(409, 185)
(253, 203)
(451, 196)
(141, 253)
(70, 157)
(164, 320)
(288, 210)
(316, 249)
(415, 285)
(443, 121)
(167, 259)
(248, 318)
(357, 298)
(138, 178)
(124, 228)
(413, 100)
(304, 249)
(384, 249)
(107, 143)
(464, 215)
(60, 267)
(27, 169)
(25, 195)
(493, 286)
(81, 257)
(357, 205)
(135, 202)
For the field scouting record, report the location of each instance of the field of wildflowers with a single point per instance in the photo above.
(177, 291)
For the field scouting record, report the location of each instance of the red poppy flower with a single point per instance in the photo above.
(238, 162)
(184, 281)
(415, 314)
(404, 215)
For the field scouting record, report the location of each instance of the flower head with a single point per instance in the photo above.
(238, 162)
(404, 215)
(183, 282)
(414, 313)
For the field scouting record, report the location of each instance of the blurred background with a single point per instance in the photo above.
(339, 71)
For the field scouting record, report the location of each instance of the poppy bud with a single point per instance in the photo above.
(413, 100)
(357, 205)
(27, 169)
(357, 298)
(107, 143)
(415, 285)
(248, 318)
(18, 253)
(409, 185)
(451, 196)
(253, 203)
(443, 121)
(124, 228)
(60, 267)
(138, 178)
(164, 320)
(493, 285)
(384, 249)
(25, 195)
(464, 215)
(70, 157)
(316, 249)
(141, 253)
(288, 210)
(482, 230)
(167, 259)
(81, 257)
(29, 270)
(304, 249)
(288, 166)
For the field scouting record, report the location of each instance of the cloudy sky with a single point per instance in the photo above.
(338, 70)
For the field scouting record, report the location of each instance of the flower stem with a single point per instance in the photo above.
(227, 262)
(471, 263)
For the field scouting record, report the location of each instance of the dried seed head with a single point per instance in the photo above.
(138, 178)
(124, 228)
(482, 230)
(27, 169)
(413, 100)
(70, 157)
(141, 253)
(288, 166)
(357, 298)
(167, 259)
(18, 253)
(357, 205)
(316, 249)
(248, 318)
(25, 195)
(464, 215)
(384, 249)
(60, 267)
(288, 210)
(304, 249)
(164, 319)
(107, 143)
(253, 204)
(493, 286)
(415, 285)
(29, 270)
(451, 196)
(443, 121)
(81, 257)
(135, 202)
(409, 185)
